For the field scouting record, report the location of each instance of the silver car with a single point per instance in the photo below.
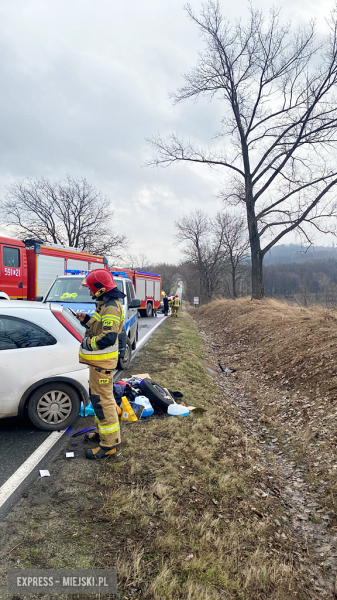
(39, 370)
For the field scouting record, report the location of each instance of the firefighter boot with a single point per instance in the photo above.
(100, 452)
(93, 436)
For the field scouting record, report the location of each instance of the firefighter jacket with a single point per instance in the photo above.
(100, 345)
(176, 302)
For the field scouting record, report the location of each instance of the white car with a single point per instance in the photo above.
(40, 375)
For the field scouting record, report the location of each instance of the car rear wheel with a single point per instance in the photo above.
(54, 406)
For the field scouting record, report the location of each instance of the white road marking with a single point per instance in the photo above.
(9, 487)
(144, 339)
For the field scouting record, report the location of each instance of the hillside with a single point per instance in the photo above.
(285, 358)
(289, 253)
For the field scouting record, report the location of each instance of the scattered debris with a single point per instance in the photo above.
(44, 473)
(226, 369)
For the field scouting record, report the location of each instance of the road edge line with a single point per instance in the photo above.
(18, 477)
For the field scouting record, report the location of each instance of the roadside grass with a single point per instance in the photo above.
(286, 356)
(180, 506)
(181, 514)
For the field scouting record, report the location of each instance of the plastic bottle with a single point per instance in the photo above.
(144, 401)
(177, 410)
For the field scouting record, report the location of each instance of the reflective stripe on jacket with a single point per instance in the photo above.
(102, 334)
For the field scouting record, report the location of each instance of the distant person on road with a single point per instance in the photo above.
(99, 350)
(176, 305)
(166, 305)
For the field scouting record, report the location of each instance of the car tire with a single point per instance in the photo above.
(158, 397)
(58, 401)
(149, 309)
(124, 362)
(134, 343)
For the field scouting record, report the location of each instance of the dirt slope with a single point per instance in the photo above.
(285, 356)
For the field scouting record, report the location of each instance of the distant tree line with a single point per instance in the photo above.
(307, 282)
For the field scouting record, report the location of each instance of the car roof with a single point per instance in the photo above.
(82, 277)
(13, 304)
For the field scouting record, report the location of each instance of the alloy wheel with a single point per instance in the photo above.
(54, 407)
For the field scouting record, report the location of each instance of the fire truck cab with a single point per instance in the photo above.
(13, 268)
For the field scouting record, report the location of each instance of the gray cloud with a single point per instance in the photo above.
(84, 83)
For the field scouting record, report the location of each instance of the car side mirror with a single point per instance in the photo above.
(38, 298)
(135, 303)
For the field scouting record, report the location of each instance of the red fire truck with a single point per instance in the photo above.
(148, 287)
(27, 269)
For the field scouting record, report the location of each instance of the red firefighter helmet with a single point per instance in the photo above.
(99, 282)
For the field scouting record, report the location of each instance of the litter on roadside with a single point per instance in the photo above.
(44, 473)
(70, 454)
(226, 369)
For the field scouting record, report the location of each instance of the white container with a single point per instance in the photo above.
(144, 401)
(177, 410)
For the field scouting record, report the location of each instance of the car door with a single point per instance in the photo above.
(26, 352)
(12, 271)
(132, 315)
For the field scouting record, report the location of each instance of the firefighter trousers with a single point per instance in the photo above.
(104, 405)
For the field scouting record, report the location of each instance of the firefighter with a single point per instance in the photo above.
(99, 350)
(176, 305)
(166, 305)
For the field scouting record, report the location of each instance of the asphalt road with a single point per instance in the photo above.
(18, 438)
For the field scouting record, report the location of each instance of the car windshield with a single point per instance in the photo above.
(67, 289)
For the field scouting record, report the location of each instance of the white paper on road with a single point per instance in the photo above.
(70, 454)
(44, 474)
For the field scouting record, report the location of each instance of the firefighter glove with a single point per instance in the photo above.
(85, 344)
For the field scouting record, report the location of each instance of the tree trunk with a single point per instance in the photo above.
(257, 277)
(234, 291)
(256, 254)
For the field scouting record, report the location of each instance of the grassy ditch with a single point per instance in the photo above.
(285, 358)
(180, 514)
(183, 506)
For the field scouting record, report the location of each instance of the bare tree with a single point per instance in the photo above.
(278, 89)
(203, 248)
(235, 244)
(71, 212)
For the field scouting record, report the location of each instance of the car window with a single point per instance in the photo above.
(132, 291)
(128, 292)
(18, 333)
(11, 257)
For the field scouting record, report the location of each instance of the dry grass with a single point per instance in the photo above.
(286, 356)
(181, 504)
(180, 514)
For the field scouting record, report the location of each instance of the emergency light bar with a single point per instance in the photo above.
(119, 274)
(75, 272)
(151, 274)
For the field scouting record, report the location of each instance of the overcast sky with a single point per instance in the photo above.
(84, 82)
